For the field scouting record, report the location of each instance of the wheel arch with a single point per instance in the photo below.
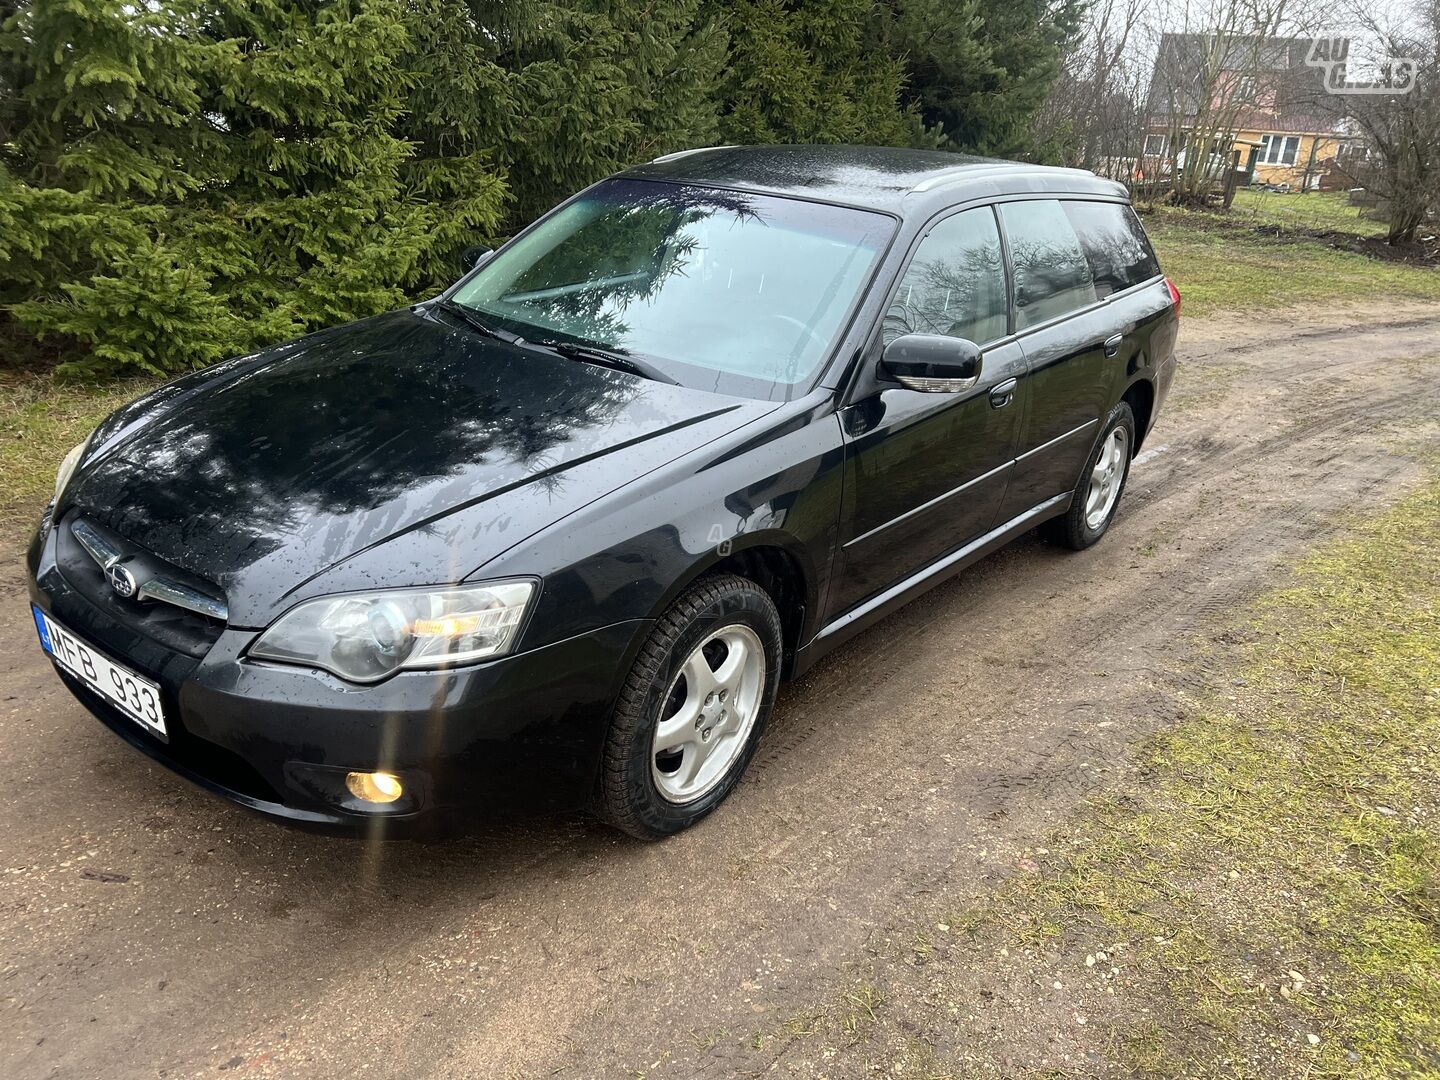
(1140, 396)
(776, 566)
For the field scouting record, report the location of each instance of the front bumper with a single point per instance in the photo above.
(518, 735)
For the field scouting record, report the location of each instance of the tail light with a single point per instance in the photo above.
(1174, 294)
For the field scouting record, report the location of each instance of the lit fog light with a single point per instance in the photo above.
(376, 787)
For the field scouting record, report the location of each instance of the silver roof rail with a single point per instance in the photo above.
(962, 172)
(686, 153)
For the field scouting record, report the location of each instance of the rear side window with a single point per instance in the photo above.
(1052, 273)
(955, 284)
(1116, 246)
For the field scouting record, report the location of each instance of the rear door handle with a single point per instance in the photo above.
(1001, 394)
(1112, 344)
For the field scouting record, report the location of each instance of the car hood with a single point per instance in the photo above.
(400, 450)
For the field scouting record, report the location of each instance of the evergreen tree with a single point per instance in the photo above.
(561, 94)
(820, 71)
(978, 70)
(184, 180)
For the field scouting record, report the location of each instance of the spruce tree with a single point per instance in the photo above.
(560, 94)
(188, 179)
(979, 71)
(182, 180)
(820, 71)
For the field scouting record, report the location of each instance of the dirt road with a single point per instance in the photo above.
(148, 929)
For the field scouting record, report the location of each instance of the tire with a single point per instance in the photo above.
(1086, 521)
(652, 791)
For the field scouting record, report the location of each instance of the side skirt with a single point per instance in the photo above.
(859, 618)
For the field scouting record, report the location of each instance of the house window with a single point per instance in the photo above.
(1279, 149)
(1245, 87)
(1154, 145)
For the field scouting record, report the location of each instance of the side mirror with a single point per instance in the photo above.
(932, 363)
(473, 256)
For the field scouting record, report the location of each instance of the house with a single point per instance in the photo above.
(1251, 100)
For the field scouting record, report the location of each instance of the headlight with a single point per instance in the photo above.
(67, 465)
(363, 637)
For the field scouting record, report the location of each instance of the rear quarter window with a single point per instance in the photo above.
(1115, 245)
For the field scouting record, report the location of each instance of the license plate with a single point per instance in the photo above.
(136, 697)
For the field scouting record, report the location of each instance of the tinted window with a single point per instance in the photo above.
(955, 284)
(724, 290)
(1052, 274)
(1115, 244)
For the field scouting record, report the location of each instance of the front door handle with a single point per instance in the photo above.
(1001, 394)
(1112, 344)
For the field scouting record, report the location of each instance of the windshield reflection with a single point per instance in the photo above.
(731, 291)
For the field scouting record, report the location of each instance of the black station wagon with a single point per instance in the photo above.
(550, 540)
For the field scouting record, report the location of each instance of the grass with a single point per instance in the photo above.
(1279, 875)
(1325, 211)
(1264, 902)
(39, 421)
(1221, 264)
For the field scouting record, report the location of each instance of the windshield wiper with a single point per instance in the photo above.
(468, 315)
(602, 357)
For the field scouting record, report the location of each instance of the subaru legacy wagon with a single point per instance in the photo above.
(550, 540)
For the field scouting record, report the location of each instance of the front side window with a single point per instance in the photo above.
(1114, 243)
(955, 284)
(730, 291)
(1052, 274)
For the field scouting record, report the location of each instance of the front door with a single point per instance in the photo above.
(925, 472)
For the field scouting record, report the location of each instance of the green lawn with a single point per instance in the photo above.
(1286, 828)
(1321, 210)
(1221, 264)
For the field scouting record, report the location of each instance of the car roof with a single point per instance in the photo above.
(895, 180)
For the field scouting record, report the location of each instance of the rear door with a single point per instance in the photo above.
(925, 472)
(1069, 258)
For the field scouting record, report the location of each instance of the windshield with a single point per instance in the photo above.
(722, 290)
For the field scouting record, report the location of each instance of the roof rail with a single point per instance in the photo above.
(961, 172)
(686, 153)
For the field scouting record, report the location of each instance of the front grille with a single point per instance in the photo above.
(85, 553)
(157, 580)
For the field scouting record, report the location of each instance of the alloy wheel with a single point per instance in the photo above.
(1106, 478)
(708, 712)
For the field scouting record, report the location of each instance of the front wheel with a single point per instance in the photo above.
(692, 709)
(1097, 495)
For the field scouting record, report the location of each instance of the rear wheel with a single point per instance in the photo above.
(692, 709)
(1097, 495)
